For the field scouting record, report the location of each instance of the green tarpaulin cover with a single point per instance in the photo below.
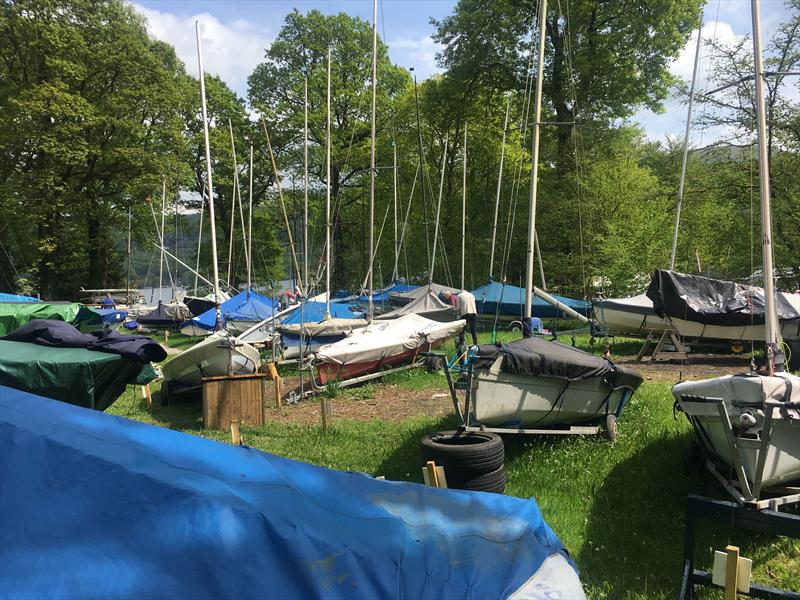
(84, 377)
(14, 316)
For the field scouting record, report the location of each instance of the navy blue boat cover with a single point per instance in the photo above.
(16, 298)
(97, 506)
(712, 301)
(509, 300)
(244, 306)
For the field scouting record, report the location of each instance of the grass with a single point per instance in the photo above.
(617, 508)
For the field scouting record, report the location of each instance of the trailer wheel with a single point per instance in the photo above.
(166, 393)
(515, 326)
(464, 455)
(434, 363)
(611, 428)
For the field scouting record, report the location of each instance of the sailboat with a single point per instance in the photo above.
(220, 353)
(749, 425)
(532, 383)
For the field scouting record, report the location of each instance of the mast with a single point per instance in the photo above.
(161, 237)
(394, 194)
(686, 146)
(128, 277)
(328, 197)
(306, 277)
(422, 173)
(238, 193)
(175, 241)
(535, 163)
(370, 307)
(771, 329)
(215, 268)
(200, 235)
(499, 187)
(464, 207)
(438, 211)
(250, 225)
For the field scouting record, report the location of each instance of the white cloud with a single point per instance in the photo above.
(230, 50)
(719, 31)
(419, 53)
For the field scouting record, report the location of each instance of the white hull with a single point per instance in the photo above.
(630, 323)
(746, 395)
(790, 330)
(210, 358)
(506, 399)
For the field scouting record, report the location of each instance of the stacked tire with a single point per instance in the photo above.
(472, 460)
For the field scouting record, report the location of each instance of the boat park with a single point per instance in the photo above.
(351, 329)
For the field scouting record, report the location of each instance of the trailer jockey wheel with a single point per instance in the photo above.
(737, 347)
(611, 428)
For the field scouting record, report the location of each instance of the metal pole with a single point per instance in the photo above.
(438, 211)
(328, 198)
(686, 146)
(250, 226)
(128, 278)
(238, 194)
(422, 173)
(370, 307)
(161, 237)
(771, 329)
(499, 187)
(464, 208)
(306, 276)
(215, 268)
(539, 260)
(394, 194)
(200, 234)
(535, 162)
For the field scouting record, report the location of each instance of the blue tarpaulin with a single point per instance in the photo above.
(244, 306)
(381, 297)
(16, 298)
(111, 316)
(314, 312)
(511, 302)
(97, 506)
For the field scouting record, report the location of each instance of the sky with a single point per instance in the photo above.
(235, 34)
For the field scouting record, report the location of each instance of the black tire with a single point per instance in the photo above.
(611, 428)
(463, 455)
(434, 364)
(494, 481)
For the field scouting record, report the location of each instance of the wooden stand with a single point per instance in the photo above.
(147, 396)
(271, 371)
(233, 398)
(659, 353)
(433, 475)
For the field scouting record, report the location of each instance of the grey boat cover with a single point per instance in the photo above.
(712, 301)
(428, 305)
(640, 305)
(538, 357)
(401, 298)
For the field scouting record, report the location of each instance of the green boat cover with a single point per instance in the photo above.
(83, 377)
(13, 316)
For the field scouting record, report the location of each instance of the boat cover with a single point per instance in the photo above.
(58, 334)
(383, 339)
(401, 298)
(244, 306)
(104, 507)
(713, 301)
(314, 312)
(16, 298)
(504, 299)
(110, 316)
(76, 375)
(640, 305)
(427, 305)
(165, 314)
(333, 326)
(14, 316)
(380, 297)
(744, 390)
(538, 357)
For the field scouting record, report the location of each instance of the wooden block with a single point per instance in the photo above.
(233, 398)
(720, 572)
(271, 370)
(148, 397)
(440, 478)
(278, 385)
(236, 436)
(381, 477)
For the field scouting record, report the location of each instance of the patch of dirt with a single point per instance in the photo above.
(699, 366)
(389, 403)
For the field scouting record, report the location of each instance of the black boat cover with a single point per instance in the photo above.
(712, 301)
(538, 357)
(58, 334)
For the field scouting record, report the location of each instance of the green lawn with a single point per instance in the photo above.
(618, 508)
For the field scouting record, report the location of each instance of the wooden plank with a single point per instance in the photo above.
(236, 436)
(233, 398)
(148, 397)
(731, 572)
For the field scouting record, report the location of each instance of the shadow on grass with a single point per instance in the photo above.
(404, 463)
(634, 528)
(183, 412)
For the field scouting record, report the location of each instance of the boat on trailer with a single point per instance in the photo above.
(633, 316)
(381, 344)
(531, 384)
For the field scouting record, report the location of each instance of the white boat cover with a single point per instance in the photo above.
(326, 327)
(744, 390)
(387, 338)
(640, 304)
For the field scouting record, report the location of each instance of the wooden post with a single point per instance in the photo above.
(731, 572)
(147, 396)
(433, 475)
(166, 336)
(236, 437)
(272, 372)
(323, 403)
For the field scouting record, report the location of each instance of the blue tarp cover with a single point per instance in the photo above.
(16, 298)
(314, 312)
(99, 506)
(244, 306)
(110, 316)
(381, 297)
(511, 300)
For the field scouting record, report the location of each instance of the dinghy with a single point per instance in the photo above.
(633, 316)
(536, 383)
(102, 506)
(307, 328)
(381, 344)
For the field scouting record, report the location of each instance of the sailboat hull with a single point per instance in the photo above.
(211, 358)
(745, 395)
